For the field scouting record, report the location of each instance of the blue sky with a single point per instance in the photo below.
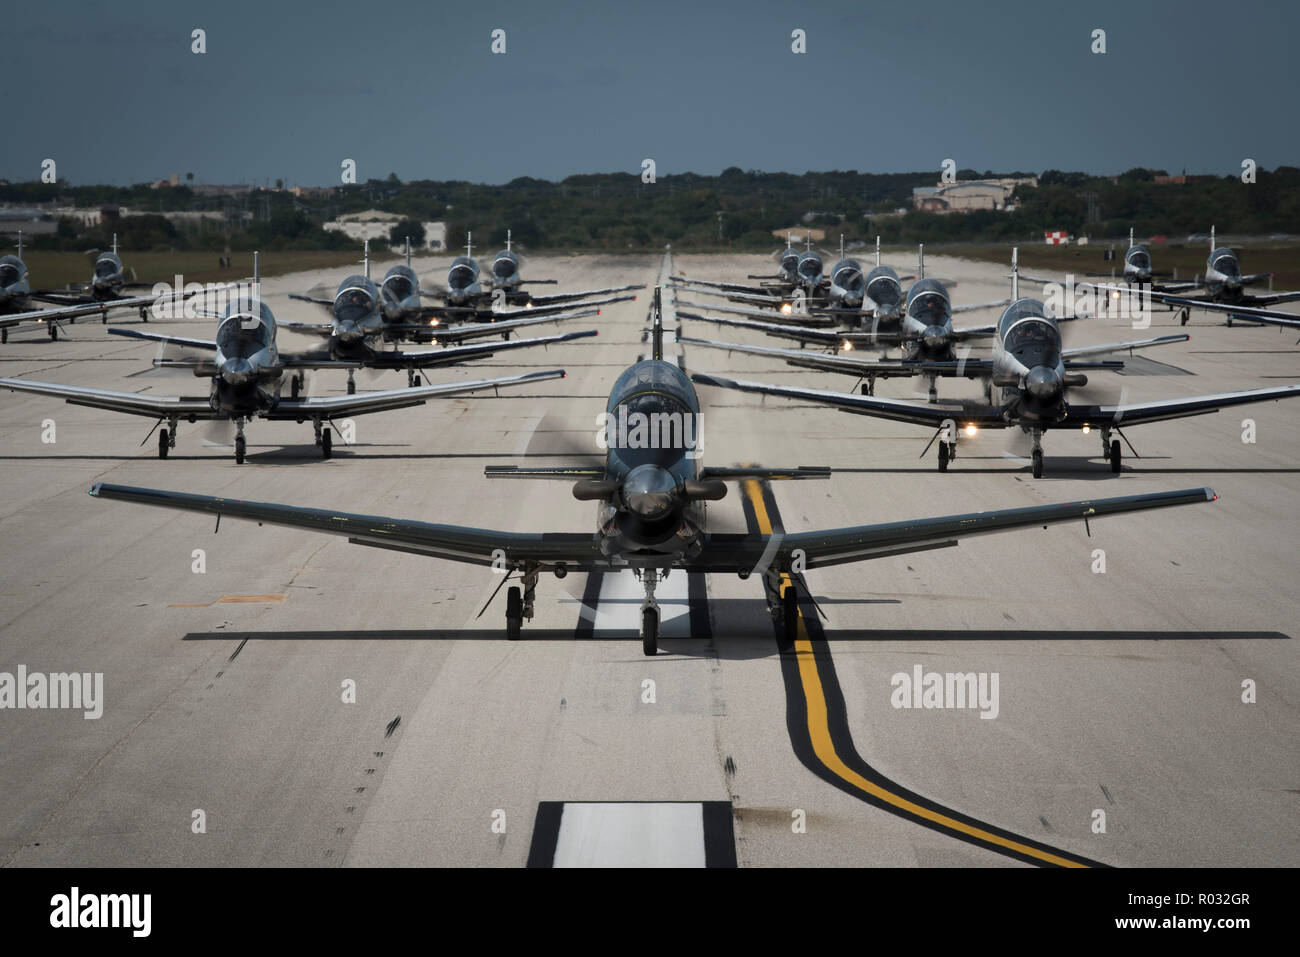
(112, 92)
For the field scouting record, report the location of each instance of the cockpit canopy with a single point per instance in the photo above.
(1026, 329)
(247, 328)
(463, 272)
(11, 270)
(847, 274)
(1224, 261)
(506, 265)
(810, 267)
(883, 286)
(654, 416)
(790, 261)
(356, 299)
(1139, 258)
(400, 282)
(928, 297)
(107, 265)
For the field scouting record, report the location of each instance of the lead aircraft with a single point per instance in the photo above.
(651, 504)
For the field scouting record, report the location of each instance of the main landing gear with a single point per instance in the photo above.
(54, 332)
(947, 452)
(1110, 451)
(167, 438)
(296, 384)
(1037, 455)
(240, 445)
(324, 439)
(412, 378)
(650, 577)
(352, 382)
(519, 602)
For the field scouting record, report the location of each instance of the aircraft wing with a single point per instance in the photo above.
(823, 337)
(208, 344)
(450, 355)
(134, 403)
(475, 546)
(1137, 413)
(899, 410)
(766, 315)
(851, 364)
(522, 310)
(1173, 287)
(974, 332)
(329, 303)
(565, 297)
(1270, 317)
(56, 315)
(382, 401)
(728, 286)
(1084, 351)
(721, 553)
(323, 329)
(479, 330)
(1273, 298)
(759, 298)
(972, 306)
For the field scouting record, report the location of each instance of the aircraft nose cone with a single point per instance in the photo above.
(649, 491)
(236, 371)
(1042, 382)
(935, 337)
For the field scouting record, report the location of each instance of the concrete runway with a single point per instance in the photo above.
(1120, 692)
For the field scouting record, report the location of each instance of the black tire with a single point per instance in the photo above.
(352, 387)
(294, 387)
(4, 335)
(943, 456)
(1115, 456)
(514, 612)
(162, 443)
(326, 444)
(240, 448)
(54, 333)
(415, 382)
(1038, 463)
(790, 607)
(650, 632)
(103, 320)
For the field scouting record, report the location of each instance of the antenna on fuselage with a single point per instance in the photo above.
(807, 239)
(1211, 239)
(115, 244)
(877, 250)
(408, 252)
(469, 244)
(20, 244)
(1130, 237)
(657, 326)
(366, 258)
(841, 245)
(1015, 273)
(920, 260)
(507, 240)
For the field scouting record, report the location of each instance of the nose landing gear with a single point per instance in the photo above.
(650, 577)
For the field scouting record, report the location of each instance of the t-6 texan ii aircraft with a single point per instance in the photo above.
(246, 371)
(651, 512)
(1034, 373)
(465, 296)
(393, 311)
(928, 339)
(806, 285)
(16, 295)
(1223, 288)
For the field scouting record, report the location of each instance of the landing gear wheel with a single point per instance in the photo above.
(790, 609)
(1115, 456)
(103, 319)
(514, 613)
(415, 381)
(1038, 463)
(240, 448)
(54, 333)
(943, 456)
(4, 335)
(295, 387)
(326, 444)
(352, 387)
(650, 631)
(162, 443)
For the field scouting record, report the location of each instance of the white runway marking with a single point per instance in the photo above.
(631, 835)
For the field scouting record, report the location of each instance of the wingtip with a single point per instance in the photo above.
(94, 489)
(1210, 494)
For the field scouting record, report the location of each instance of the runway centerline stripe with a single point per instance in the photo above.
(815, 699)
